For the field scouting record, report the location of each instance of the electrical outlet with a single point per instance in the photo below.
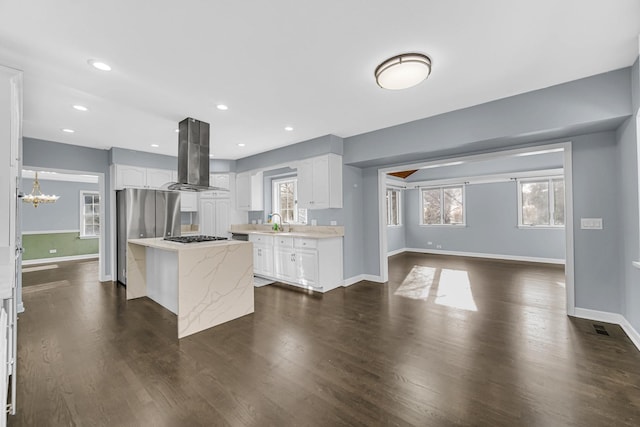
(314, 222)
(334, 222)
(53, 251)
(429, 243)
(438, 246)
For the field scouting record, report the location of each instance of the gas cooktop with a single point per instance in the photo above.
(194, 239)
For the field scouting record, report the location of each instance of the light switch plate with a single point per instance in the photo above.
(591, 223)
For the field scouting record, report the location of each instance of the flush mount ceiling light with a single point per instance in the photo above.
(80, 108)
(102, 66)
(403, 71)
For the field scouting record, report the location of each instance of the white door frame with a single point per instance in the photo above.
(101, 188)
(568, 182)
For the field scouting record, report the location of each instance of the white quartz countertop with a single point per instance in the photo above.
(160, 243)
(309, 232)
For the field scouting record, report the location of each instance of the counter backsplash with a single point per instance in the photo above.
(336, 230)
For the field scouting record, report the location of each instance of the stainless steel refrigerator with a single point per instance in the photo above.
(142, 214)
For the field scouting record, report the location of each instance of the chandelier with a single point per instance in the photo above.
(36, 197)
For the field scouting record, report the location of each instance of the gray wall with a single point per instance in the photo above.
(159, 161)
(491, 226)
(55, 155)
(596, 103)
(62, 215)
(627, 137)
(291, 153)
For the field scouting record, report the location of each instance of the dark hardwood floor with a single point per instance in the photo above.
(448, 341)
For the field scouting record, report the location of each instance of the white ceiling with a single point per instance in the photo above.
(287, 62)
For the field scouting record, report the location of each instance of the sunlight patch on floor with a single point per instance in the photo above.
(454, 290)
(417, 284)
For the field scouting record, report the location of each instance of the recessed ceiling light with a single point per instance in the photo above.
(533, 153)
(403, 71)
(241, 145)
(102, 66)
(222, 107)
(288, 128)
(155, 145)
(68, 130)
(80, 108)
(439, 165)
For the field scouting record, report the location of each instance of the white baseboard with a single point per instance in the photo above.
(359, 278)
(608, 317)
(396, 252)
(483, 255)
(58, 259)
(20, 307)
(107, 278)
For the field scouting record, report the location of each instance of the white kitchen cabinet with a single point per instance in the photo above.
(214, 216)
(130, 177)
(262, 255)
(156, 178)
(307, 267)
(320, 182)
(284, 258)
(188, 201)
(220, 180)
(310, 263)
(249, 191)
(138, 177)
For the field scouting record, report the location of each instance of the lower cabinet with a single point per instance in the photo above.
(305, 262)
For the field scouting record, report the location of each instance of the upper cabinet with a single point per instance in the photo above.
(320, 182)
(137, 177)
(220, 180)
(188, 201)
(249, 191)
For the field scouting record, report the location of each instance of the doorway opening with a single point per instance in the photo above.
(513, 205)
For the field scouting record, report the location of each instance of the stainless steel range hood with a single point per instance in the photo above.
(193, 157)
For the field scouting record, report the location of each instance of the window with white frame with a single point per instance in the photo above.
(442, 205)
(393, 207)
(541, 202)
(285, 201)
(89, 214)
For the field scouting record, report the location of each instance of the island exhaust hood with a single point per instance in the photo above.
(193, 157)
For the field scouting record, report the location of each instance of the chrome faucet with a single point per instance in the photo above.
(281, 220)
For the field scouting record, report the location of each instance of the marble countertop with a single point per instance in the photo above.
(160, 243)
(305, 231)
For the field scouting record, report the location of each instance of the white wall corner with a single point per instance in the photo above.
(608, 317)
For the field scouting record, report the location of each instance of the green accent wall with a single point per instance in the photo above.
(37, 246)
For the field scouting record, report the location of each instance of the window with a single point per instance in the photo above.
(443, 205)
(541, 202)
(393, 207)
(285, 201)
(89, 214)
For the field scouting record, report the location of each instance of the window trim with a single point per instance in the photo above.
(442, 188)
(399, 206)
(82, 235)
(275, 206)
(551, 202)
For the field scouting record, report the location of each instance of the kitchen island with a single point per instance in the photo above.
(204, 284)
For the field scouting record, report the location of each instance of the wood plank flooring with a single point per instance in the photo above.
(448, 341)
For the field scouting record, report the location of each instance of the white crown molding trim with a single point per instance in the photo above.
(59, 259)
(45, 175)
(608, 317)
(483, 255)
(49, 232)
